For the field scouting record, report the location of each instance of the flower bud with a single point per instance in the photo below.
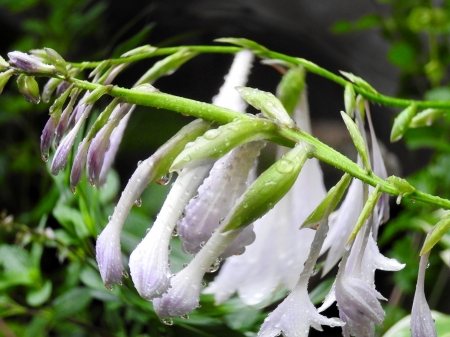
(358, 140)
(426, 117)
(29, 63)
(78, 164)
(57, 61)
(290, 88)
(359, 82)
(402, 121)
(4, 77)
(29, 88)
(49, 88)
(3, 64)
(48, 134)
(63, 123)
(349, 99)
(269, 105)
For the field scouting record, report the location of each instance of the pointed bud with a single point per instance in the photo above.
(166, 66)
(349, 99)
(62, 88)
(361, 105)
(358, 140)
(436, 234)
(359, 82)
(95, 95)
(3, 64)
(63, 123)
(57, 61)
(269, 105)
(49, 88)
(426, 117)
(78, 163)
(267, 189)
(29, 63)
(29, 88)
(333, 197)
(402, 121)
(245, 43)
(4, 77)
(48, 134)
(290, 88)
(217, 142)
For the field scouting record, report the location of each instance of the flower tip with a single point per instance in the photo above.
(109, 256)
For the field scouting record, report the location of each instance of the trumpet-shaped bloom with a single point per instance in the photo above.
(422, 324)
(296, 314)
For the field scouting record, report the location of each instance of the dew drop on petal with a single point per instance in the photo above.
(109, 286)
(45, 157)
(175, 232)
(164, 180)
(167, 321)
(184, 317)
(138, 202)
(125, 274)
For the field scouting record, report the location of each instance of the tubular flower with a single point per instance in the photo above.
(280, 254)
(422, 324)
(296, 314)
(225, 183)
(29, 63)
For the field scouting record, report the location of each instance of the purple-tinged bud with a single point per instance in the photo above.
(422, 323)
(63, 123)
(101, 143)
(149, 262)
(60, 159)
(29, 88)
(4, 77)
(49, 88)
(62, 87)
(29, 63)
(114, 143)
(226, 182)
(48, 134)
(78, 164)
(184, 293)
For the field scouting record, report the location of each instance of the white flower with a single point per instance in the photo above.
(422, 324)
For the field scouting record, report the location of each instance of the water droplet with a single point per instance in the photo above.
(413, 201)
(139, 163)
(184, 316)
(211, 134)
(147, 230)
(202, 244)
(167, 321)
(73, 189)
(138, 202)
(125, 274)
(175, 232)
(164, 180)
(110, 218)
(428, 264)
(109, 286)
(45, 157)
(169, 249)
(284, 166)
(399, 199)
(215, 266)
(185, 265)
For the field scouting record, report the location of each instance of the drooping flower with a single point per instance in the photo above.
(278, 254)
(296, 314)
(422, 324)
(29, 63)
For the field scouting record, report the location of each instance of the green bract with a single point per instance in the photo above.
(256, 48)
(269, 105)
(328, 204)
(401, 185)
(4, 77)
(365, 213)
(436, 234)
(349, 99)
(358, 140)
(217, 142)
(166, 65)
(95, 95)
(3, 64)
(359, 82)
(57, 61)
(290, 88)
(426, 117)
(268, 189)
(402, 121)
(57, 105)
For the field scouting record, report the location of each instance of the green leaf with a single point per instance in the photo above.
(358, 140)
(333, 196)
(341, 27)
(39, 296)
(318, 294)
(267, 103)
(402, 121)
(438, 94)
(403, 56)
(71, 302)
(290, 88)
(71, 219)
(217, 142)
(267, 189)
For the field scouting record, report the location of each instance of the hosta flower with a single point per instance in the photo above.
(354, 288)
(280, 248)
(48, 134)
(296, 314)
(422, 324)
(225, 183)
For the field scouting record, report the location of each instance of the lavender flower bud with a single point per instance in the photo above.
(62, 87)
(63, 123)
(48, 134)
(29, 88)
(49, 88)
(29, 63)
(78, 164)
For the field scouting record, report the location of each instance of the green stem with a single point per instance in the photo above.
(284, 135)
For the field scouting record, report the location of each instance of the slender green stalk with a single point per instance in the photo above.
(284, 135)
